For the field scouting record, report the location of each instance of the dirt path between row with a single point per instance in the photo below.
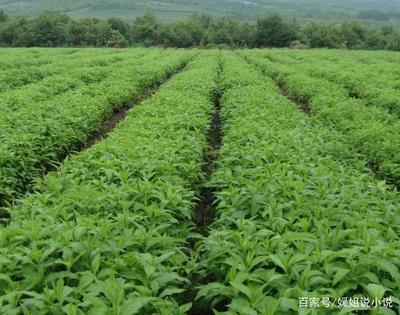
(204, 208)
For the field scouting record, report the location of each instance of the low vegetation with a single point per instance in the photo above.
(109, 231)
(36, 136)
(371, 132)
(234, 182)
(297, 214)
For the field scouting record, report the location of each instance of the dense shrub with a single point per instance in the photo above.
(51, 29)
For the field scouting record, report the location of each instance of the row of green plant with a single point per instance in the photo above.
(37, 136)
(20, 58)
(51, 87)
(371, 131)
(360, 80)
(15, 76)
(380, 63)
(69, 75)
(108, 232)
(297, 214)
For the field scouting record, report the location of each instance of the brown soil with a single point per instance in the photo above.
(106, 127)
(204, 209)
(305, 108)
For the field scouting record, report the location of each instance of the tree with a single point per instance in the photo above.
(76, 33)
(145, 29)
(353, 35)
(55, 29)
(391, 38)
(116, 40)
(94, 29)
(49, 29)
(16, 32)
(273, 31)
(185, 33)
(229, 32)
(102, 31)
(322, 35)
(117, 24)
(374, 39)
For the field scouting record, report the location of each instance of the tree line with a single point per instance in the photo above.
(53, 29)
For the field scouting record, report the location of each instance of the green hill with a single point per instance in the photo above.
(333, 10)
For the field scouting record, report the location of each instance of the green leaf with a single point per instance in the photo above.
(376, 290)
(339, 275)
(240, 287)
(170, 291)
(277, 261)
(134, 305)
(95, 264)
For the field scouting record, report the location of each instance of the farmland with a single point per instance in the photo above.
(167, 181)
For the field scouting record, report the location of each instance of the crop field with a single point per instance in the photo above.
(162, 181)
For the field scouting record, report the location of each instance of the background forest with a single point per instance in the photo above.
(55, 29)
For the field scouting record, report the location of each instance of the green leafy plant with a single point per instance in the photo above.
(108, 232)
(297, 214)
(36, 136)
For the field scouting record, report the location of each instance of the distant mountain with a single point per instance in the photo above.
(331, 10)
